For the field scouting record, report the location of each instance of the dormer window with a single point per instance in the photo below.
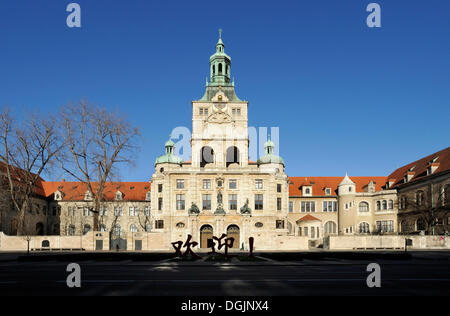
(88, 196)
(371, 187)
(307, 190)
(148, 196)
(327, 191)
(119, 196)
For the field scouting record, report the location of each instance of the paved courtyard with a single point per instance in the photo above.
(425, 273)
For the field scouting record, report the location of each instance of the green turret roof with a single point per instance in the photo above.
(220, 77)
(269, 157)
(169, 157)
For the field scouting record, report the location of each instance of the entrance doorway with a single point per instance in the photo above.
(206, 236)
(234, 232)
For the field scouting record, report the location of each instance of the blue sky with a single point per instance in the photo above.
(346, 97)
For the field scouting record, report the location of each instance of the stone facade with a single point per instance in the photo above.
(220, 191)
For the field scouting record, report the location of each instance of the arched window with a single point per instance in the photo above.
(117, 230)
(220, 69)
(214, 70)
(364, 207)
(147, 228)
(420, 224)
(232, 155)
(391, 204)
(403, 202)
(206, 156)
(330, 228)
(87, 229)
(384, 205)
(133, 228)
(364, 228)
(378, 205)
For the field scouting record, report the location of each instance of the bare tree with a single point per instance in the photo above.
(29, 148)
(432, 206)
(98, 141)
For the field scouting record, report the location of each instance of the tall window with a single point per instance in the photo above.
(233, 184)
(391, 204)
(278, 204)
(232, 200)
(71, 230)
(279, 187)
(384, 203)
(133, 228)
(117, 230)
(160, 188)
(103, 211)
(180, 202)
(160, 204)
(180, 184)
(146, 211)
(419, 198)
(329, 206)
(207, 184)
(134, 211)
(259, 204)
(363, 207)
(330, 227)
(308, 206)
(118, 211)
(258, 184)
(378, 205)
(207, 201)
(291, 207)
(385, 226)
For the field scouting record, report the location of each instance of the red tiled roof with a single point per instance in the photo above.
(75, 191)
(308, 218)
(421, 166)
(320, 183)
(18, 176)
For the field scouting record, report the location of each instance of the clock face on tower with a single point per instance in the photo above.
(220, 106)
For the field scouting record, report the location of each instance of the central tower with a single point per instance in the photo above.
(219, 119)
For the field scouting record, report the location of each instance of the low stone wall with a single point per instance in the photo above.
(386, 242)
(288, 243)
(92, 241)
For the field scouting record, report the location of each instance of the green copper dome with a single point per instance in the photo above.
(169, 157)
(269, 157)
(220, 74)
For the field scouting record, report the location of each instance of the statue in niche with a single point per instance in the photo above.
(219, 210)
